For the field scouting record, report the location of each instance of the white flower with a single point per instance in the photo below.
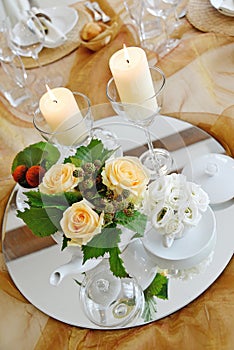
(160, 216)
(199, 196)
(190, 213)
(177, 197)
(174, 227)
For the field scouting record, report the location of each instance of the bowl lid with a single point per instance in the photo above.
(215, 173)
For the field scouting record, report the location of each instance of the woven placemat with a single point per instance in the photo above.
(203, 16)
(48, 55)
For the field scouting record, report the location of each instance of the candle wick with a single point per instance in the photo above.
(55, 101)
(127, 61)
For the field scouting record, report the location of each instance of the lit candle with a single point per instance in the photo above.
(131, 73)
(57, 105)
(62, 114)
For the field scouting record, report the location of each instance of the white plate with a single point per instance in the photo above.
(215, 173)
(224, 7)
(63, 17)
(197, 243)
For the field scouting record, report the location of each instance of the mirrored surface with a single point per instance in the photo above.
(31, 260)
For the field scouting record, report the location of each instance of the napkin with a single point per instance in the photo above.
(54, 36)
(227, 7)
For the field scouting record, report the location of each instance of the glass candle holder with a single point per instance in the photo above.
(73, 131)
(143, 113)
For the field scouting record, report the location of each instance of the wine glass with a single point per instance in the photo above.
(109, 301)
(143, 113)
(160, 8)
(174, 4)
(15, 87)
(26, 38)
(148, 28)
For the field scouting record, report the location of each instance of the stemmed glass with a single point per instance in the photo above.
(109, 301)
(71, 132)
(174, 4)
(26, 38)
(15, 88)
(147, 27)
(143, 113)
(159, 8)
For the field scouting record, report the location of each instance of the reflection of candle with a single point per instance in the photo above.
(57, 105)
(132, 77)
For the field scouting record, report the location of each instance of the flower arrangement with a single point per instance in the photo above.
(91, 198)
(174, 204)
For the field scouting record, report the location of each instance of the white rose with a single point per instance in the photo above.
(59, 178)
(190, 213)
(80, 222)
(160, 216)
(157, 190)
(177, 197)
(174, 227)
(126, 173)
(199, 196)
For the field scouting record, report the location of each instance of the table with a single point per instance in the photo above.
(199, 90)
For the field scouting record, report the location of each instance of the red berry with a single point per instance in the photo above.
(34, 175)
(19, 173)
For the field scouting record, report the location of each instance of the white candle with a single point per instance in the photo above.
(57, 105)
(62, 113)
(132, 77)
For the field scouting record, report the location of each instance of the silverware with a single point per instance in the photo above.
(96, 7)
(182, 13)
(97, 16)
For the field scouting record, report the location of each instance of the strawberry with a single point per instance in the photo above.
(19, 173)
(34, 175)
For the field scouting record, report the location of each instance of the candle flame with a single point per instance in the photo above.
(126, 55)
(51, 95)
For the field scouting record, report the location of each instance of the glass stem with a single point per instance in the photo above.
(154, 160)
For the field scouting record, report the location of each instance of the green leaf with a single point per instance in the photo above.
(150, 310)
(42, 222)
(40, 153)
(116, 263)
(102, 243)
(60, 200)
(158, 287)
(65, 241)
(136, 222)
(88, 154)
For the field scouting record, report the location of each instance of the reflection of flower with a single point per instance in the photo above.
(174, 203)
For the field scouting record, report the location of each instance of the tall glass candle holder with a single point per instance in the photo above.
(143, 113)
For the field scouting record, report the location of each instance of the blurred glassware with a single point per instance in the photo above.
(161, 9)
(26, 38)
(15, 88)
(175, 4)
(148, 27)
(109, 301)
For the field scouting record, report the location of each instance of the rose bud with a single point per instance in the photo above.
(34, 175)
(19, 173)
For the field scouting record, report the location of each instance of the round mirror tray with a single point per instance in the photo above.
(31, 260)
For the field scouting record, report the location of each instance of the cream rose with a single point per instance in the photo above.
(80, 222)
(59, 178)
(126, 173)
